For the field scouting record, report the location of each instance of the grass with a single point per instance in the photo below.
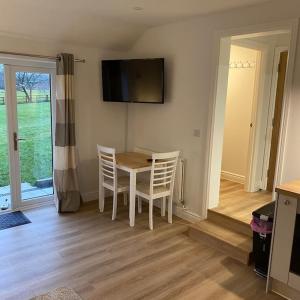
(34, 123)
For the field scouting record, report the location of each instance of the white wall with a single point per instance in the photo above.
(239, 101)
(96, 121)
(188, 49)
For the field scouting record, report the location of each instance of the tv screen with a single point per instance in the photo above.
(133, 80)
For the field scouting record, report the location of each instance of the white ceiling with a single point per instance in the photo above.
(103, 23)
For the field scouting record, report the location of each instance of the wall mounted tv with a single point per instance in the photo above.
(133, 80)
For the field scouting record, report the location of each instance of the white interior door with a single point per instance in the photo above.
(29, 101)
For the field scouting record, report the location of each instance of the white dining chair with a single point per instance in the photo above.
(146, 176)
(108, 178)
(161, 183)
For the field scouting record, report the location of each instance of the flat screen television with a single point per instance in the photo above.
(133, 80)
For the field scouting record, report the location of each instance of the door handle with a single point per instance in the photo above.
(16, 140)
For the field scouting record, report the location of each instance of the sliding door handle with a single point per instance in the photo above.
(16, 140)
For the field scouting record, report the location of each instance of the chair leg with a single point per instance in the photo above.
(163, 207)
(151, 214)
(170, 207)
(139, 204)
(115, 205)
(101, 197)
(125, 196)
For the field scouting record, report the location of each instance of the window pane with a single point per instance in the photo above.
(35, 132)
(5, 192)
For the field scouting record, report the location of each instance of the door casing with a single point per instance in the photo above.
(276, 120)
(214, 139)
(10, 69)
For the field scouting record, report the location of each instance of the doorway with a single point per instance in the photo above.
(240, 111)
(253, 181)
(271, 157)
(26, 156)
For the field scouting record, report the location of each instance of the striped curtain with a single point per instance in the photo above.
(65, 167)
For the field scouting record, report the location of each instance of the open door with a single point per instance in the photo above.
(277, 119)
(26, 159)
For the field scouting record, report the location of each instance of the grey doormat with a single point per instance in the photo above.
(13, 219)
(62, 293)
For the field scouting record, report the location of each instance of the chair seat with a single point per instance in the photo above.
(123, 183)
(143, 190)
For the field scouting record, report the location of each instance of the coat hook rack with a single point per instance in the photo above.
(242, 64)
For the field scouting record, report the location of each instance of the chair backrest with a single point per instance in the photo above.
(163, 170)
(107, 163)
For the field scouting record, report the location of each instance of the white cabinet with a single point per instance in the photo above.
(283, 237)
(280, 278)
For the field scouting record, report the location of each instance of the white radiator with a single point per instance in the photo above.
(179, 187)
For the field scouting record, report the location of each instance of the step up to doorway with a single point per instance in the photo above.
(235, 244)
(229, 222)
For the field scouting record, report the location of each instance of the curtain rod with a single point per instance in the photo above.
(82, 60)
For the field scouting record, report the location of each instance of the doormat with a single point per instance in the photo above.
(13, 219)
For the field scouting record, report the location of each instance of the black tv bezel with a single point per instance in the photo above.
(131, 59)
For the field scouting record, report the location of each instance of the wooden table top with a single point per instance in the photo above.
(133, 160)
(291, 188)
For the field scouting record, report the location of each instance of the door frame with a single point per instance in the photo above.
(274, 80)
(262, 89)
(11, 66)
(250, 177)
(220, 76)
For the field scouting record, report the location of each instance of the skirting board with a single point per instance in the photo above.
(233, 177)
(178, 211)
(90, 196)
(186, 214)
(183, 213)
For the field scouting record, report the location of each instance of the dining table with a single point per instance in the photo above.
(133, 163)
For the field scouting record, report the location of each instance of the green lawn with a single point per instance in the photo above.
(36, 151)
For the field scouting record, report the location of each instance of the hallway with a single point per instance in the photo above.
(238, 204)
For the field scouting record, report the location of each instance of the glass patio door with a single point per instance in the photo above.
(5, 187)
(29, 92)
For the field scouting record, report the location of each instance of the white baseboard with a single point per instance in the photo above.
(187, 215)
(233, 177)
(90, 196)
(178, 211)
(183, 213)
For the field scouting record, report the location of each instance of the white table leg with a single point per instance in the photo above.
(151, 214)
(170, 207)
(163, 207)
(101, 194)
(132, 198)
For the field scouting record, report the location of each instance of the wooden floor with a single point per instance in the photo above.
(237, 203)
(101, 259)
